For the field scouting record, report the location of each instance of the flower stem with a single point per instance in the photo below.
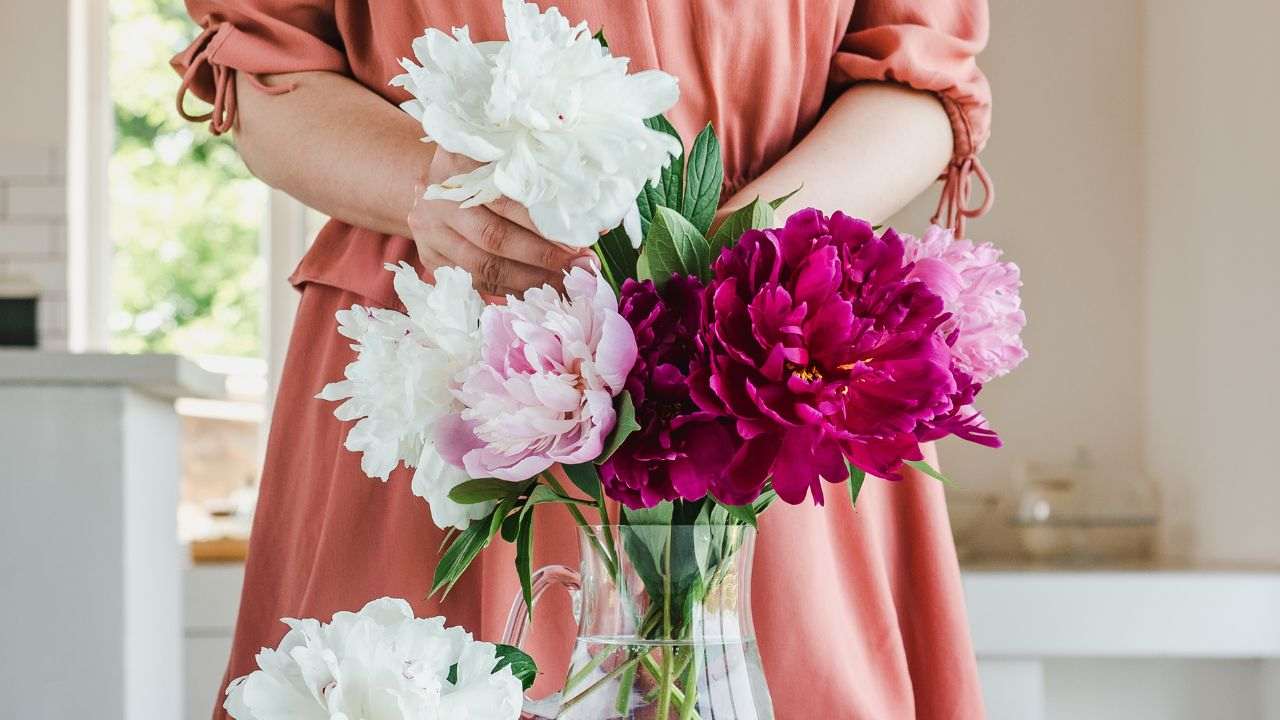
(689, 704)
(625, 685)
(676, 694)
(607, 526)
(631, 663)
(665, 678)
(585, 670)
(608, 557)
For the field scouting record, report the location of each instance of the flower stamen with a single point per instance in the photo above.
(808, 373)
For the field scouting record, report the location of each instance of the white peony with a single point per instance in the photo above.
(401, 383)
(377, 664)
(556, 119)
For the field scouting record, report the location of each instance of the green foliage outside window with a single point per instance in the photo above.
(187, 276)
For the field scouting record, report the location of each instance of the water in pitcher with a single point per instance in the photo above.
(664, 627)
(617, 677)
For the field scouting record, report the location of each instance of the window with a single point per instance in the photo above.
(185, 214)
(197, 250)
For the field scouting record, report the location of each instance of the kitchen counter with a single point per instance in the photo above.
(157, 375)
(1022, 616)
(1141, 610)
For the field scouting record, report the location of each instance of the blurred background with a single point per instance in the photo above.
(1121, 554)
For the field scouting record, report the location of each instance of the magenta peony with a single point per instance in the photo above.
(542, 392)
(823, 350)
(980, 292)
(680, 451)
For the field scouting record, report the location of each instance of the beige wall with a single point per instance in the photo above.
(1138, 170)
(1213, 296)
(33, 71)
(1066, 158)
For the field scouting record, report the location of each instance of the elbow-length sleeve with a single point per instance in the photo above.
(929, 45)
(257, 37)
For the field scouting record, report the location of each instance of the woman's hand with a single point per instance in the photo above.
(497, 243)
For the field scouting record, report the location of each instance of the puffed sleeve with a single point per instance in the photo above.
(929, 45)
(257, 37)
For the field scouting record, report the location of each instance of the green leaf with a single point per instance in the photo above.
(777, 202)
(511, 527)
(766, 499)
(756, 215)
(667, 192)
(673, 245)
(929, 470)
(661, 544)
(499, 514)
(522, 666)
(703, 177)
(625, 425)
(606, 270)
(478, 491)
(585, 477)
(744, 514)
(543, 494)
(524, 557)
(659, 514)
(455, 561)
(617, 256)
(598, 37)
(856, 477)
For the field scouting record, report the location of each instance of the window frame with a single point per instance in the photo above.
(288, 226)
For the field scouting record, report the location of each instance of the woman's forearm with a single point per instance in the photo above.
(345, 151)
(876, 148)
(336, 146)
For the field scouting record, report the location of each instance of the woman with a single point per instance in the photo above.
(863, 102)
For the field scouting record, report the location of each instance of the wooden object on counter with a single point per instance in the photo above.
(219, 550)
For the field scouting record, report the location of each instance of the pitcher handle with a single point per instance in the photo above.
(517, 630)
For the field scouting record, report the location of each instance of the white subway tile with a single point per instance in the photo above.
(51, 317)
(50, 275)
(26, 238)
(58, 240)
(33, 161)
(53, 342)
(31, 200)
(58, 161)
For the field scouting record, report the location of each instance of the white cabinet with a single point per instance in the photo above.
(1175, 643)
(212, 596)
(89, 554)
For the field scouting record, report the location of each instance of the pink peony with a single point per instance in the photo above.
(823, 351)
(980, 292)
(680, 450)
(542, 392)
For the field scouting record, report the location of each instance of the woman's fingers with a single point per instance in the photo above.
(497, 243)
(515, 212)
(492, 274)
(431, 261)
(500, 236)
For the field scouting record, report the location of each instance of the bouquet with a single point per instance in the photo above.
(708, 368)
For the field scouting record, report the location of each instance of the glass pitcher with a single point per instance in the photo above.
(664, 626)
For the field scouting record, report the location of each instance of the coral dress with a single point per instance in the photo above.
(860, 613)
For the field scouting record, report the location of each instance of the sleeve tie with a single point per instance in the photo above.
(198, 57)
(954, 206)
